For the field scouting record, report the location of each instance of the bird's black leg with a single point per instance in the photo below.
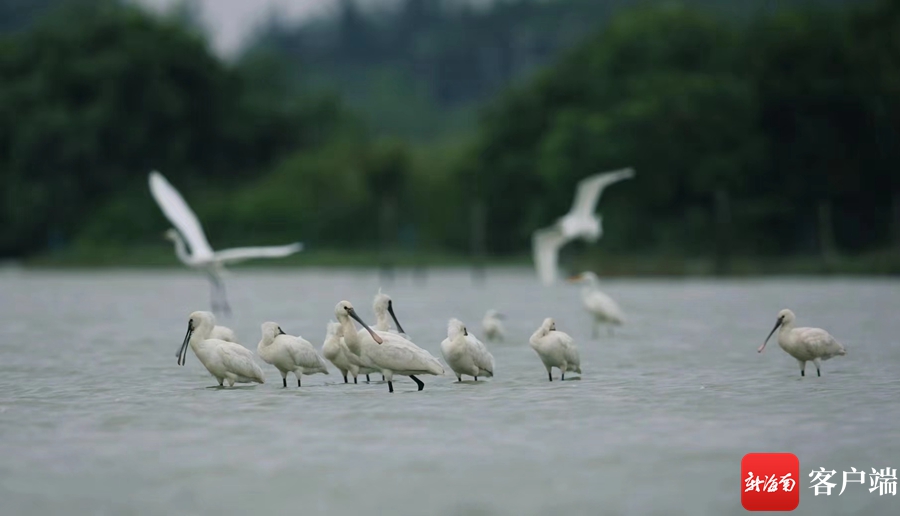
(459, 378)
(354, 379)
(298, 381)
(382, 378)
(367, 378)
(345, 377)
(476, 378)
(390, 386)
(550, 375)
(818, 373)
(562, 376)
(802, 372)
(284, 381)
(420, 383)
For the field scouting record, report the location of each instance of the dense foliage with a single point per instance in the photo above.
(778, 112)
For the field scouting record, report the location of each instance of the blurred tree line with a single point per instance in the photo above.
(760, 124)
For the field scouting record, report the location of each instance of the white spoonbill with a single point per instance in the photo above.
(335, 350)
(464, 353)
(555, 349)
(492, 326)
(580, 222)
(201, 254)
(387, 352)
(383, 305)
(601, 307)
(226, 361)
(804, 344)
(219, 333)
(289, 354)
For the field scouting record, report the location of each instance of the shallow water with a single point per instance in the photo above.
(97, 418)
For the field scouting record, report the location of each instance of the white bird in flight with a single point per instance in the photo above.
(201, 254)
(580, 222)
(804, 344)
(226, 361)
(601, 307)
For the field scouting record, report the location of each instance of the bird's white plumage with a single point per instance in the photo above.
(289, 354)
(804, 344)
(555, 349)
(223, 333)
(492, 326)
(335, 350)
(181, 216)
(226, 361)
(464, 353)
(201, 254)
(602, 308)
(580, 222)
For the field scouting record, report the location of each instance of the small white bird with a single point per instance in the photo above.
(201, 254)
(383, 305)
(804, 344)
(601, 307)
(464, 353)
(390, 353)
(492, 326)
(555, 349)
(335, 350)
(580, 222)
(226, 361)
(289, 354)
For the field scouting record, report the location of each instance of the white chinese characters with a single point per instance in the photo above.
(883, 480)
(769, 484)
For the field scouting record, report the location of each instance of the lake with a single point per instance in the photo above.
(97, 418)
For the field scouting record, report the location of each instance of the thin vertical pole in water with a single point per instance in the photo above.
(477, 233)
(826, 233)
(723, 231)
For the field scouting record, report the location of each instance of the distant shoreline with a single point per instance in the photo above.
(874, 264)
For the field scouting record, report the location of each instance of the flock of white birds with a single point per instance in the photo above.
(390, 351)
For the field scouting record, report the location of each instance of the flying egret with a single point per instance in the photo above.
(492, 326)
(464, 353)
(289, 354)
(201, 254)
(555, 349)
(601, 307)
(390, 353)
(226, 361)
(335, 350)
(804, 344)
(580, 222)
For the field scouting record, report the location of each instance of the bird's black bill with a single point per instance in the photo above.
(182, 352)
(280, 331)
(777, 324)
(374, 335)
(394, 317)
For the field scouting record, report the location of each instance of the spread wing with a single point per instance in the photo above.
(589, 190)
(239, 360)
(246, 253)
(545, 244)
(180, 215)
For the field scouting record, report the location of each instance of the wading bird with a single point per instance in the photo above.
(492, 326)
(464, 353)
(289, 354)
(226, 361)
(201, 255)
(555, 349)
(335, 350)
(601, 307)
(804, 344)
(580, 222)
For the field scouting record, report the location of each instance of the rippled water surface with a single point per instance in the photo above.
(97, 418)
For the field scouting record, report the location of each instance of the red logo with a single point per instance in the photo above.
(769, 481)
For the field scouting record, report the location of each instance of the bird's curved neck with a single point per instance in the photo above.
(348, 330)
(200, 334)
(382, 323)
(181, 249)
(266, 341)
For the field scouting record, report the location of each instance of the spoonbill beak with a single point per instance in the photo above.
(394, 317)
(352, 313)
(777, 324)
(182, 351)
(280, 331)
